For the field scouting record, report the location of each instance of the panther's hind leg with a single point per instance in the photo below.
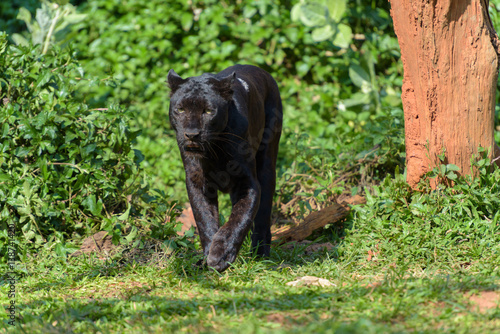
(266, 174)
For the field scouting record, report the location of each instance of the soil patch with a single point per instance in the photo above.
(485, 300)
(187, 220)
(99, 242)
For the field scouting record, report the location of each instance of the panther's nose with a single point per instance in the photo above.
(192, 135)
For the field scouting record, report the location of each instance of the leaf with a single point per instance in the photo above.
(186, 21)
(355, 100)
(43, 79)
(336, 8)
(323, 33)
(5, 130)
(43, 167)
(442, 169)
(452, 167)
(302, 67)
(313, 14)
(75, 18)
(451, 176)
(295, 12)
(88, 149)
(343, 37)
(21, 152)
(20, 40)
(248, 12)
(131, 236)
(349, 115)
(358, 75)
(25, 16)
(124, 216)
(90, 203)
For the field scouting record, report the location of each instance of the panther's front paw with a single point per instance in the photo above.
(221, 254)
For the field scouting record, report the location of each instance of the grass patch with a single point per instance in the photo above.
(370, 294)
(407, 262)
(252, 297)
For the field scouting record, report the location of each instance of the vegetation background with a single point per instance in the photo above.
(86, 146)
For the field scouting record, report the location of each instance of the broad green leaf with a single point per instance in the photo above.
(336, 8)
(43, 79)
(21, 152)
(442, 169)
(343, 37)
(5, 130)
(43, 167)
(186, 21)
(313, 14)
(323, 33)
(131, 236)
(452, 167)
(90, 203)
(295, 12)
(20, 40)
(88, 149)
(124, 216)
(248, 12)
(302, 67)
(75, 18)
(355, 100)
(25, 16)
(349, 115)
(30, 234)
(358, 75)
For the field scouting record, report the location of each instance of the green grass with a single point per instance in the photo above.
(406, 262)
(371, 294)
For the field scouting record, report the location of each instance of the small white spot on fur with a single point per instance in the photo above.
(244, 83)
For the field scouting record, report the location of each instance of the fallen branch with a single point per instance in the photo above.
(316, 220)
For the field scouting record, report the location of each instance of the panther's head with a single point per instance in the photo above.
(199, 111)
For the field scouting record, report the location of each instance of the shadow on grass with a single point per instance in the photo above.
(218, 303)
(184, 264)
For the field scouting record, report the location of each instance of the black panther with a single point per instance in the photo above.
(228, 127)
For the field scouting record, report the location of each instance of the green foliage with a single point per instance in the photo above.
(70, 163)
(126, 49)
(171, 294)
(324, 16)
(64, 166)
(9, 11)
(137, 42)
(49, 26)
(427, 225)
(322, 169)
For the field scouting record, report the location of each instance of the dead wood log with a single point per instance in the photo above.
(316, 220)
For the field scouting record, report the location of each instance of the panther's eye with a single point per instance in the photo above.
(180, 110)
(209, 111)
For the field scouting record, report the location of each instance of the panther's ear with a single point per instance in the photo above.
(225, 86)
(174, 81)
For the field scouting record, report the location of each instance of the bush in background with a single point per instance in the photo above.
(328, 90)
(66, 169)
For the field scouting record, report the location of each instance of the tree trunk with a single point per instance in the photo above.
(449, 50)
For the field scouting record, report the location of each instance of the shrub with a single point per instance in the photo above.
(65, 167)
(137, 42)
(463, 217)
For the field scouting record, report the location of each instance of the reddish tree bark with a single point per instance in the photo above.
(449, 50)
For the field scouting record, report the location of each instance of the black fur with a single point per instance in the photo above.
(228, 127)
